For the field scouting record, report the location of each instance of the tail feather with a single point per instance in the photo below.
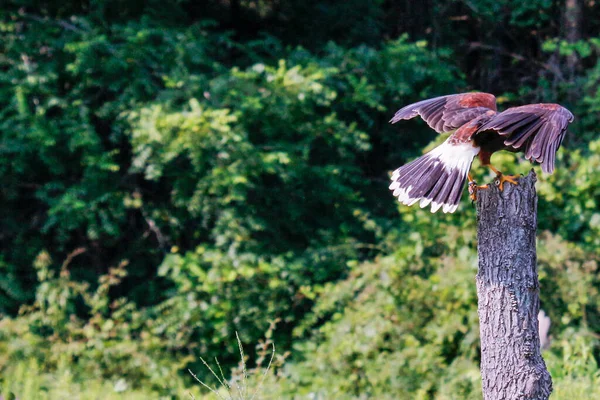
(435, 179)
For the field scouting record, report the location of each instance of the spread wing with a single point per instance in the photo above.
(447, 113)
(537, 129)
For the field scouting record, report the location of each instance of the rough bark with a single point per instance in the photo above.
(508, 293)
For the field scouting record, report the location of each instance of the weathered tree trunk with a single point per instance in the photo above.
(507, 290)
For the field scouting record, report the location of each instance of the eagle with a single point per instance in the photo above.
(476, 129)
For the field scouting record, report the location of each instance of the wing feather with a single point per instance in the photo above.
(537, 129)
(446, 113)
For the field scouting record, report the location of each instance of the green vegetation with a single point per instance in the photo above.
(176, 173)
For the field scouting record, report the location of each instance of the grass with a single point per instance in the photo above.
(582, 388)
(26, 381)
(239, 387)
(574, 377)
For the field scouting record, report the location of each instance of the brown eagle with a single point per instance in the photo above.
(476, 128)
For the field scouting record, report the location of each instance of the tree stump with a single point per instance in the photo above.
(508, 293)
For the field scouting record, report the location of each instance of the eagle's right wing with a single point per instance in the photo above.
(537, 129)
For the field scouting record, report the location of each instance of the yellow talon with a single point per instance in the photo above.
(473, 188)
(501, 178)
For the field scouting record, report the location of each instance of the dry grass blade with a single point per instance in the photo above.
(213, 390)
(237, 386)
(264, 376)
(243, 393)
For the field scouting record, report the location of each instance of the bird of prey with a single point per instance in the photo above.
(477, 128)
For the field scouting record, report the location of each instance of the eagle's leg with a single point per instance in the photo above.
(484, 157)
(501, 178)
(473, 188)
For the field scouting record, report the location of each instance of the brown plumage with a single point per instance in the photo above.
(437, 178)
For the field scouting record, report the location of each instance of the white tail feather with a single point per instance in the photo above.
(437, 178)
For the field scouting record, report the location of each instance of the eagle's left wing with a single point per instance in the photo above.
(538, 129)
(446, 113)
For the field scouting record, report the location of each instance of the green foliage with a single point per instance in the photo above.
(232, 171)
(64, 153)
(142, 131)
(260, 382)
(573, 192)
(30, 382)
(114, 341)
(406, 324)
(531, 14)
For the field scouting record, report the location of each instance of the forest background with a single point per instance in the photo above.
(174, 172)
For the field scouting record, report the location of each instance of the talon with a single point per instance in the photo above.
(473, 191)
(501, 178)
(473, 188)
